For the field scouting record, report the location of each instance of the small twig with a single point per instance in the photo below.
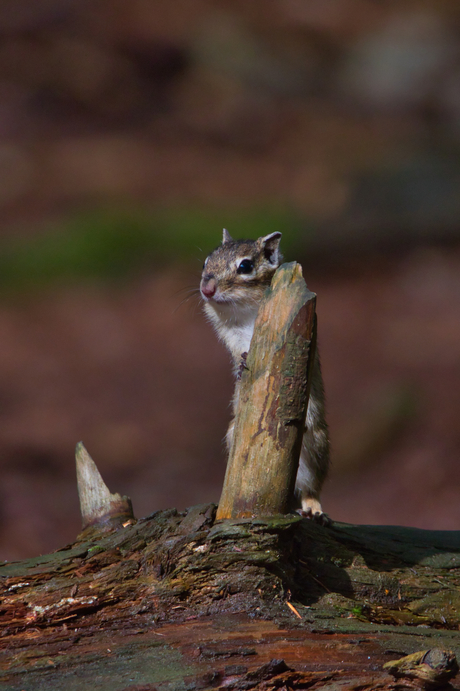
(293, 609)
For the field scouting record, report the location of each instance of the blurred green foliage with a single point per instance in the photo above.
(108, 244)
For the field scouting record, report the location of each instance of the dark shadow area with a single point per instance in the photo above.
(385, 547)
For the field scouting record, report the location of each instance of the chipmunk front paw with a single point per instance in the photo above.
(311, 508)
(242, 366)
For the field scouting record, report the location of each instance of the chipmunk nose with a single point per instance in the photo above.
(208, 286)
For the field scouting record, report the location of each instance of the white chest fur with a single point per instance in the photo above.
(234, 325)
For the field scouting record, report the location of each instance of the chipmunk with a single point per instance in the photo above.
(234, 279)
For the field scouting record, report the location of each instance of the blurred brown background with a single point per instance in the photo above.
(130, 134)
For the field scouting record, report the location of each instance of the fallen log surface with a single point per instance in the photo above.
(178, 600)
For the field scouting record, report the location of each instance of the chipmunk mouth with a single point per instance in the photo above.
(219, 298)
(211, 292)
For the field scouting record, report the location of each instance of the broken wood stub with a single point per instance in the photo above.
(272, 402)
(99, 507)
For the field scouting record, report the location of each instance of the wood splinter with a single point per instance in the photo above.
(99, 507)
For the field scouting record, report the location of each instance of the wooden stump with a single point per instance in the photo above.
(273, 399)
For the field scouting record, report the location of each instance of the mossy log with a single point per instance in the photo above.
(183, 601)
(178, 599)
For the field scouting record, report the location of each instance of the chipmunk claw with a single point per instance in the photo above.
(316, 516)
(242, 366)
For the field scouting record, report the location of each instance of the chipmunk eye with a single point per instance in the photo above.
(245, 267)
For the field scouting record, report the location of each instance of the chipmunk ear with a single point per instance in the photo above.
(270, 245)
(226, 237)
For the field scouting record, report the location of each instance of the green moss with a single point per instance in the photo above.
(442, 608)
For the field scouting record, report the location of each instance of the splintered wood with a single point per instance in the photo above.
(273, 399)
(98, 505)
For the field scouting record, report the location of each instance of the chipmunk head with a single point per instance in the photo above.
(240, 270)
